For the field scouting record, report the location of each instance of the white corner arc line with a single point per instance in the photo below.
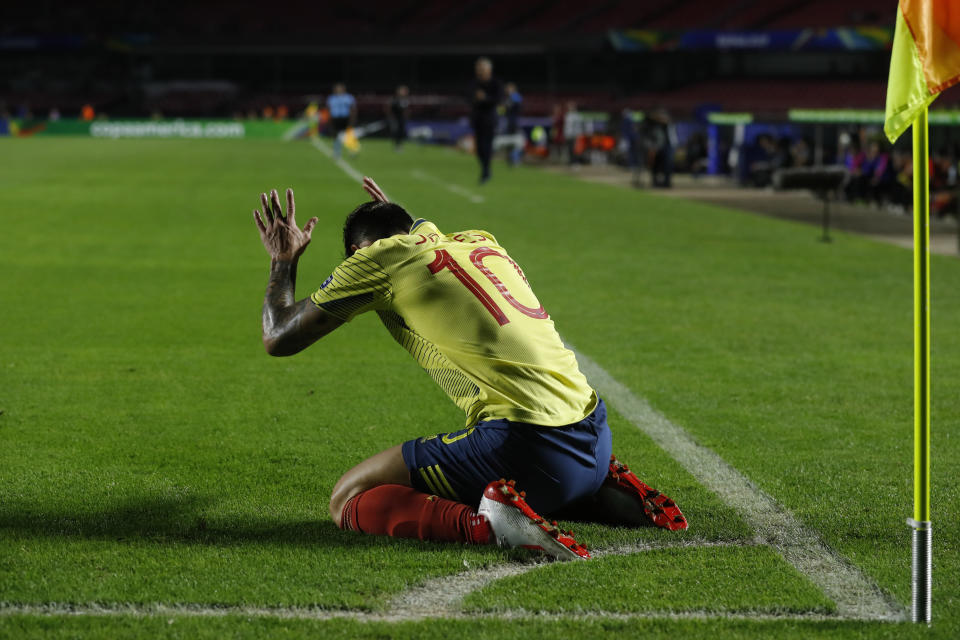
(475, 198)
(435, 598)
(856, 595)
(443, 596)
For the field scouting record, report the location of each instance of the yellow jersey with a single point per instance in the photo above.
(465, 311)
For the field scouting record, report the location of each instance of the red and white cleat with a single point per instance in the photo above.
(658, 508)
(515, 524)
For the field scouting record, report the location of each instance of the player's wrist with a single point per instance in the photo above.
(283, 260)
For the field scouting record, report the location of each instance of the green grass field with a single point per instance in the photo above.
(155, 464)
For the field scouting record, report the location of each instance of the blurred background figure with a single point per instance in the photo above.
(487, 94)
(696, 154)
(765, 157)
(398, 110)
(661, 138)
(512, 106)
(312, 116)
(343, 114)
(631, 142)
(556, 132)
(573, 129)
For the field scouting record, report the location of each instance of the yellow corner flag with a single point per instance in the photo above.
(925, 60)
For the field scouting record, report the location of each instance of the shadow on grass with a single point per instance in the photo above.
(164, 519)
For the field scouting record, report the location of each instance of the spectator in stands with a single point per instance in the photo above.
(881, 175)
(343, 115)
(486, 96)
(766, 157)
(943, 182)
(398, 109)
(901, 189)
(511, 109)
(573, 129)
(853, 159)
(800, 154)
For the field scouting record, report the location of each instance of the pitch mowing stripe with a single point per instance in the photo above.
(856, 595)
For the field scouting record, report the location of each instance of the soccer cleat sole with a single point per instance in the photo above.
(658, 508)
(516, 525)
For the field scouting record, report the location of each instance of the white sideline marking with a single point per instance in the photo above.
(315, 613)
(416, 173)
(452, 188)
(856, 595)
(340, 162)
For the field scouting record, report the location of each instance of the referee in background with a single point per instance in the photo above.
(487, 96)
(343, 114)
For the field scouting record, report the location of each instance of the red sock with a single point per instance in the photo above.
(402, 512)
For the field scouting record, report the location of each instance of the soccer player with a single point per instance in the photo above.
(343, 115)
(464, 310)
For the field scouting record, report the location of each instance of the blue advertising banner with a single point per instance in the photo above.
(839, 39)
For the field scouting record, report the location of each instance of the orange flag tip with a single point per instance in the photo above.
(924, 61)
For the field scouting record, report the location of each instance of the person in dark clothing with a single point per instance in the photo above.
(486, 96)
(397, 110)
(511, 109)
(659, 131)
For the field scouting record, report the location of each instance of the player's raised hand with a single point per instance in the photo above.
(281, 236)
(374, 190)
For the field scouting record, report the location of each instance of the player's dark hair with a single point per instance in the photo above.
(373, 221)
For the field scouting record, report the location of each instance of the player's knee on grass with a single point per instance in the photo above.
(346, 488)
(386, 467)
(336, 508)
(339, 497)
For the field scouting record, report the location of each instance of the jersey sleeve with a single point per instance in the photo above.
(358, 285)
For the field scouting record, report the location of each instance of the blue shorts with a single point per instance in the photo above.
(554, 465)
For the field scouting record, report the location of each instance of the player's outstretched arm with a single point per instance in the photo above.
(289, 326)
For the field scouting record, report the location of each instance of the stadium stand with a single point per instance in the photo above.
(67, 55)
(828, 13)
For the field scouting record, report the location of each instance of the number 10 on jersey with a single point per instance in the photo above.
(444, 260)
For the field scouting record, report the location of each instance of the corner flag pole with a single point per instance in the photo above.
(920, 522)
